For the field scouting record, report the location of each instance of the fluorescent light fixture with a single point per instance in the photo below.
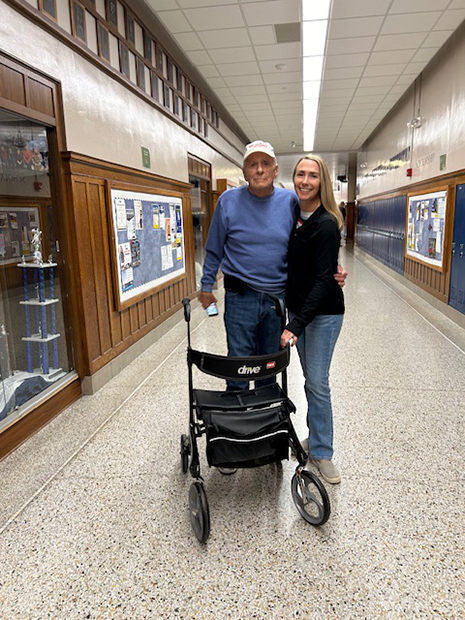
(314, 37)
(310, 116)
(312, 89)
(315, 10)
(315, 17)
(313, 68)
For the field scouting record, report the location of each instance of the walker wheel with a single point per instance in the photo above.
(310, 497)
(199, 513)
(185, 451)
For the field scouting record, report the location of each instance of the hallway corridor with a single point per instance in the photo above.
(94, 519)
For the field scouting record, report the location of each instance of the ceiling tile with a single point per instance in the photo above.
(417, 6)
(216, 82)
(391, 42)
(262, 35)
(381, 80)
(273, 12)
(358, 27)
(450, 19)
(425, 54)
(278, 51)
(398, 89)
(284, 88)
(189, 41)
(346, 72)
(200, 57)
(281, 77)
(209, 71)
(223, 92)
(175, 21)
(239, 68)
(194, 4)
(244, 80)
(366, 95)
(359, 8)
(214, 18)
(346, 60)
(236, 54)
(409, 22)
(257, 89)
(286, 97)
(287, 105)
(406, 80)
(414, 68)
(436, 38)
(457, 4)
(234, 37)
(340, 84)
(254, 99)
(395, 57)
(291, 64)
(380, 70)
(350, 45)
(161, 5)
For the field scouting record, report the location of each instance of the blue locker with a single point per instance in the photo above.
(457, 269)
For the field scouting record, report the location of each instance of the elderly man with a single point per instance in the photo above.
(249, 237)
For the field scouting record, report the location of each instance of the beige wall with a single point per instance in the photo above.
(442, 131)
(103, 119)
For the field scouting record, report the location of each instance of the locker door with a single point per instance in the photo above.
(457, 271)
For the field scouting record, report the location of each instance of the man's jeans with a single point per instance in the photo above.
(315, 346)
(252, 328)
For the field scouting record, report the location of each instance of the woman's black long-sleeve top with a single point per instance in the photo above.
(312, 262)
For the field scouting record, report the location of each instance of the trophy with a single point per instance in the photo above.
(36, 244)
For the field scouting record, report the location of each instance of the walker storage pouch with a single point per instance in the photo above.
(247, 438)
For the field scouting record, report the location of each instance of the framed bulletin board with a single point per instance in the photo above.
(16, 225)
(426, 228)
(147, 243)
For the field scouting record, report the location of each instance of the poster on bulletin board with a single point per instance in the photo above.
(426, 227)
(148, 233)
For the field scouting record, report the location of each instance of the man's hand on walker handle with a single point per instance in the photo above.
(206, 299)
(341, 276)
(288, 337)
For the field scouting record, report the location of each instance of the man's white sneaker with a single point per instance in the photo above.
(328, 470)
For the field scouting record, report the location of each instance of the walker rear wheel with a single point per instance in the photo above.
(199, 512)
(310, 497)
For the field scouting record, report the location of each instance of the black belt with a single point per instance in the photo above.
(235, 285)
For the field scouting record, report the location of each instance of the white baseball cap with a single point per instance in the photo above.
(259, 147)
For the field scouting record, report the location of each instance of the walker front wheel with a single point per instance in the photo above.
(199, 512)
(310, 497)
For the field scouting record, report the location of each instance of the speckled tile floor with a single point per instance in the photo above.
(94, 518)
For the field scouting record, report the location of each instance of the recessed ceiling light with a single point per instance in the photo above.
(280, 67)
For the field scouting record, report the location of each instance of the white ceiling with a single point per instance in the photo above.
(375, 49)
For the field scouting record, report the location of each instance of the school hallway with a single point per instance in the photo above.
(94, 507)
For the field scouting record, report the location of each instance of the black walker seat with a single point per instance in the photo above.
(245, 428)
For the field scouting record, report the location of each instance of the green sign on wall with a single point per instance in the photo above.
(442, 162)
(145, 157)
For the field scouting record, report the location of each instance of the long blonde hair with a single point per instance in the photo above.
(326, 190)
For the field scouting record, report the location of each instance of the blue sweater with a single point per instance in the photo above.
(249, 238)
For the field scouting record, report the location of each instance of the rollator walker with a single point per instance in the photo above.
(246, 428)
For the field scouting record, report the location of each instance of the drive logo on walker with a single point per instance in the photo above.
(248, 370)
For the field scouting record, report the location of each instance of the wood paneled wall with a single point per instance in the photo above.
(104, 332)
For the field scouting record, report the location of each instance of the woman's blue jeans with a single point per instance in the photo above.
(315, 346)
(252, 328)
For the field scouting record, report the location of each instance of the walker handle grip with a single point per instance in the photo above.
(187, 309)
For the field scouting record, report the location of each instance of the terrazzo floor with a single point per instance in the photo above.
(94, 519)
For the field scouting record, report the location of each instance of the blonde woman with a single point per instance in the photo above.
(315, 302)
